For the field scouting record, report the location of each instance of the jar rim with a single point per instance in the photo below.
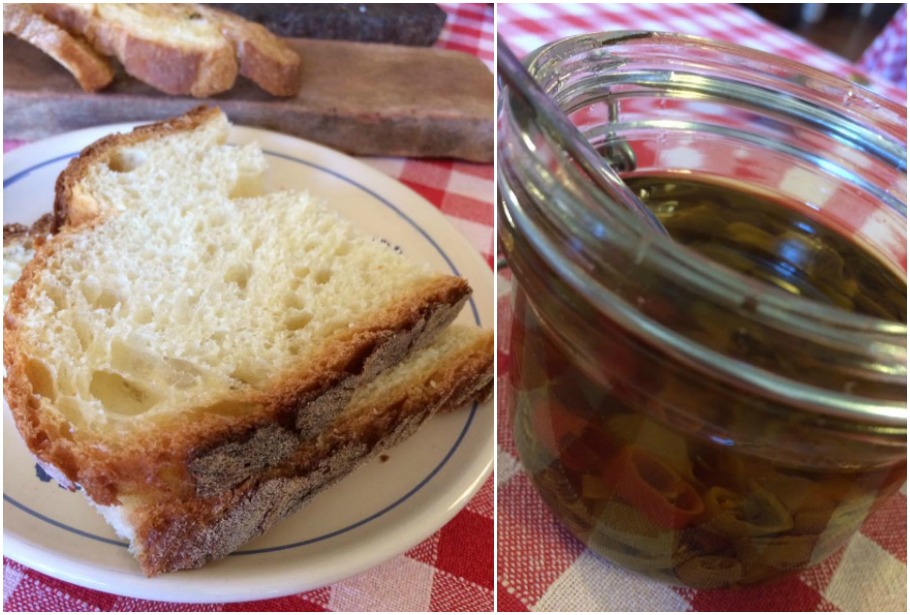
(813, 318)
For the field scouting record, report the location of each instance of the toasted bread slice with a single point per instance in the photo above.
(183, 49)
(91, 69)
(264, 59)
(168, 46)
(183, 332)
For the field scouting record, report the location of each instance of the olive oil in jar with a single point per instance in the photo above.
(773, 241)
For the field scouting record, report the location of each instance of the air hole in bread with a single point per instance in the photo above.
(239, 274)
(293, 301)
(245, 374)
(106, 299)
(297, 320)
(83, 329)
(126, 160)
(39, 376)
(323, 276)
(247, 185)
(126, 359)
(342, 249)
(143, 315)
(209, 253)
(120, 396)
(55, 293)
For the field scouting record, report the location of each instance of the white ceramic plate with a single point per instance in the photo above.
(378, 512)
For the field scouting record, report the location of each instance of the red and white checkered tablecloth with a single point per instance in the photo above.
(540, 566)
(886, 57)
(452, 570)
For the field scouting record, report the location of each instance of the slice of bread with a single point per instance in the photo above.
(264, 59)
(91, 69)
(182, 49)
(164, 45)
(183, 332)
(167, 534)
(177, 534)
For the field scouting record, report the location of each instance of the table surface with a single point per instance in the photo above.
(540, 566)
(453, 568)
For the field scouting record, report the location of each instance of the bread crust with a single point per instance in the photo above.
(182, 534)
(189, 458)
(264, 58)
(92, 71)
(19, 233)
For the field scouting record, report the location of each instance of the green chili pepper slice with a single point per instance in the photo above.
(757, 513)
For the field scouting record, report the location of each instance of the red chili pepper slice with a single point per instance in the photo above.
(552, 422)
(653, 487)
(578, 444)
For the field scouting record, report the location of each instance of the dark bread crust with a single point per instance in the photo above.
(226, 464)
(176, 458)
(181, 534)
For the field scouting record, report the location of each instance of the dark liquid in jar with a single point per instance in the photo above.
(775, 243)
(650, 469)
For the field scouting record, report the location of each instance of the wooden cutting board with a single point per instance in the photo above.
(361, 98)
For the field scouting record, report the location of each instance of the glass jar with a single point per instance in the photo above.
(686, 420)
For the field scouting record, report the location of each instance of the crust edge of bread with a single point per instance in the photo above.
(210, 528)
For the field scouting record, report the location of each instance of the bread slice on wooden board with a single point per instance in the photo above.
(397, 24)
(360, 98)
(182, 331)
(177, 534)
(162, 45)
(92, 71)
(181, 49)
(264, 59)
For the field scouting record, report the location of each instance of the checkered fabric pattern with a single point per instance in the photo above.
(453, 569)
(528, 26)
(540, 566)
(886, 57)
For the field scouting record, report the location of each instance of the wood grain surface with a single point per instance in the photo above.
(364, 99)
